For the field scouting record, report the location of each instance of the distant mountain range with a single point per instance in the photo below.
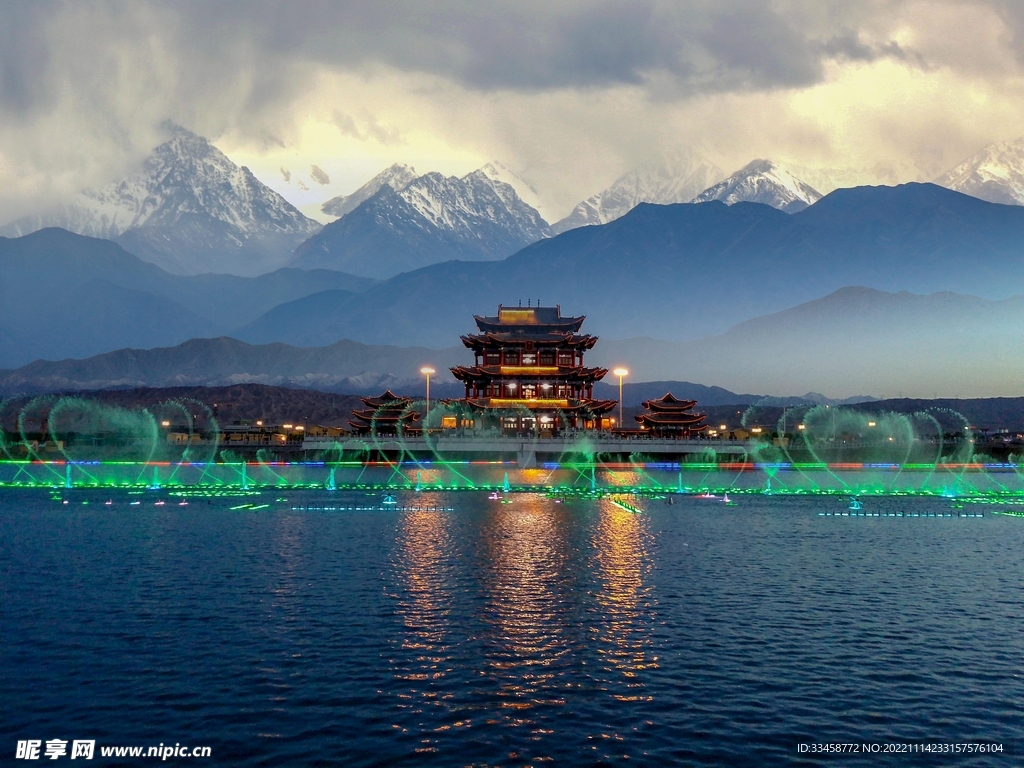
(431, 218)
(345, 366)
(853, 341)
(189, 210)
(676, 179)
(64, 295)
(678, 273)
(685, 271)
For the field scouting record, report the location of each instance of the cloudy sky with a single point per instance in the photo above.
(571, 93)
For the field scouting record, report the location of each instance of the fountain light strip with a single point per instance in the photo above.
(729, 466)
(901, 514)
(388, 508)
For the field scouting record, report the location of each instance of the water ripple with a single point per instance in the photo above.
(522, 633)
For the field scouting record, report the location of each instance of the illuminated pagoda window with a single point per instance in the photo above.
(671, 417)
(528, 374)
(388, 414)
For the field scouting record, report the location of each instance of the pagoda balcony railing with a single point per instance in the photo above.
(474, 436)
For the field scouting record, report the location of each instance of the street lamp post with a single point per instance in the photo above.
(426, 371)
(620, 372)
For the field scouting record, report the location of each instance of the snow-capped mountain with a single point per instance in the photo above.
(995, 174)
(432, 218)
(527, 192)
(677, 179)
(762, 181)
(189, 210)
(460, 206)
(396, 177)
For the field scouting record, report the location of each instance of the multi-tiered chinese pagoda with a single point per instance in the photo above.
(671, 417)
(528, 374)
(388, 414)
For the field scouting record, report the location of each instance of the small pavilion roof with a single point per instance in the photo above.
(669, 403)
(388, 400)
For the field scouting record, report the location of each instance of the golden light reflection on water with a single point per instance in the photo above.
(525, 577)
(621, 544)
(423, 597)
(511, 610)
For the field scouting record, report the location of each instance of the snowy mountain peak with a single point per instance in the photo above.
(189, 210)
(396, 176)
(762, 181)
(431, 218)
(995, 173)
(524, 188)
(460, 206)
(676, 178)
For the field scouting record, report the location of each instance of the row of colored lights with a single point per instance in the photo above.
(740, 466)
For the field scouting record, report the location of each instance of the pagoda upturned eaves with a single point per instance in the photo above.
(528, 371)
(387, 414)
(669, 416)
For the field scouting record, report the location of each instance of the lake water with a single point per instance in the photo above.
(453, 629)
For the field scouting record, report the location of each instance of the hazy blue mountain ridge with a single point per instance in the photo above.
(66, 295)
(854, 341)
(345, 366)
(689, 270)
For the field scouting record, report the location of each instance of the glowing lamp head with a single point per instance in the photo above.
(165, 423)
(427, 370)
(620, 372)
(723, 427)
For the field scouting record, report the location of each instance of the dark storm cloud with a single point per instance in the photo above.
(23, 54)
(700, 47)
(84, 86)
(704, 46)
